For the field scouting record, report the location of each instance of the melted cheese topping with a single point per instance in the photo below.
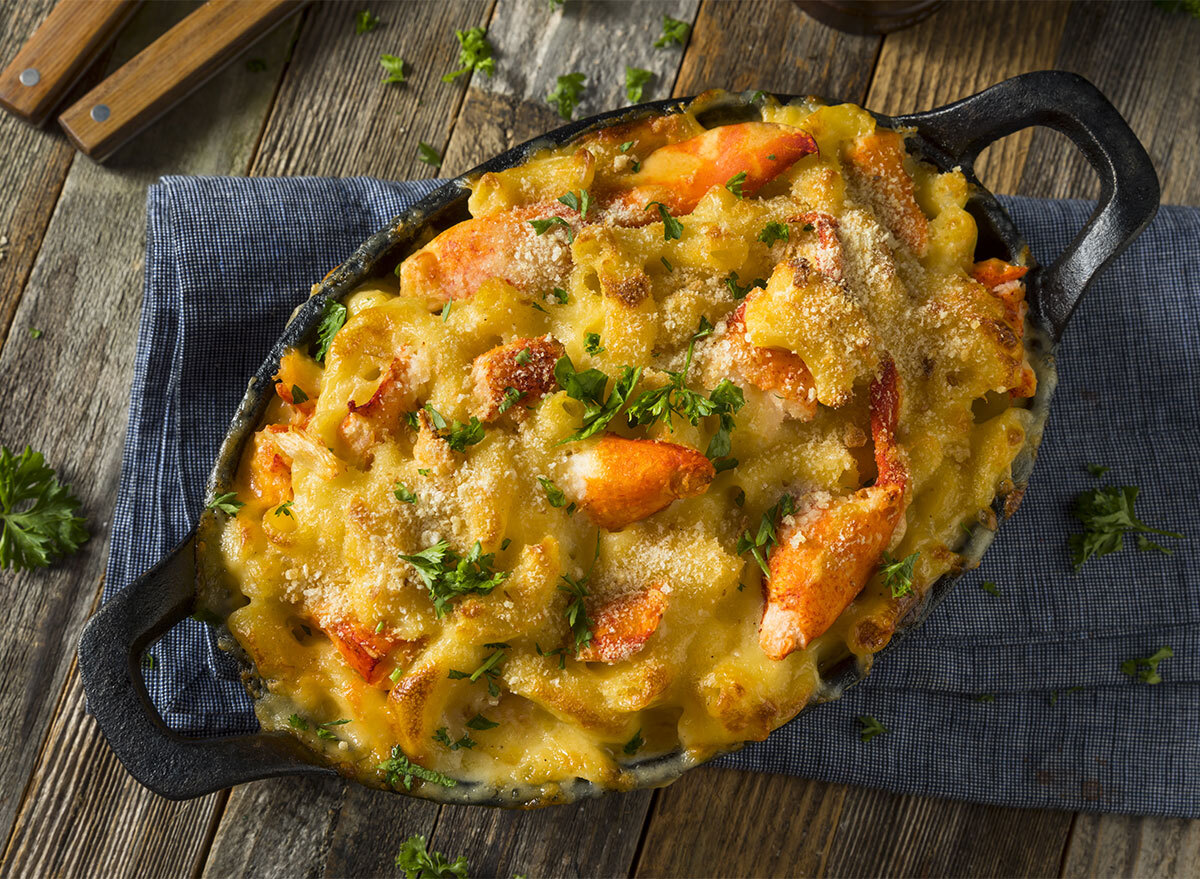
(877, 266)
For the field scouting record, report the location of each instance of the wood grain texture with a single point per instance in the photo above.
(924, 67)
(336, 117)
(721, 822)
(68, 394)
(1124, 845)
(775, 47)
(536, 44)
(1144, 59)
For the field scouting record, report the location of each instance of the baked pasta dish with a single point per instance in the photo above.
(679, 419)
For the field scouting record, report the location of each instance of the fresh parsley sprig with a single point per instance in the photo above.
(734, 184)
(541, 227)
(448, 575)
(758, 543)
(567, 91)
(458, 435)
(393, 66)
(773, 232)
(674, 31)
(417, 862)
(577, 617)
(1146, 670)
(429, 155)
(870, 728)
(398, 769)
(333, 318)
(635, 744)
(672, 228)
(1108, 515)
(365, 22)
(40, 516)
(226, 502)
(588, 387)
(474, 53)
(635, 82)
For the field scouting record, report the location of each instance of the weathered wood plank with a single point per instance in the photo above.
(1124, 845)
(1144, 59)
(720, 822)
(774, 47)
(921, 67)
(334, 115)
(536, 44)
(84, 292)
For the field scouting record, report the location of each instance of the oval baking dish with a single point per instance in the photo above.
(946, 138)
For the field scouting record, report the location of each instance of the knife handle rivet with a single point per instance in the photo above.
(100, 113)
(30, 76)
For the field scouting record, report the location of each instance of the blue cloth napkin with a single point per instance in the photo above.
(1016, 698)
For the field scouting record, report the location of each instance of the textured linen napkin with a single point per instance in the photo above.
(1016, 698)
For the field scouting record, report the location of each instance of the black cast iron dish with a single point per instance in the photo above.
(950, 136)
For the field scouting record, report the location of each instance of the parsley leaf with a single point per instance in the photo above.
(677, 398)
(523, 357)
(398, 769)
(226, 502)
(1097, 470)
(1107, 515)
(479, 722)
(727, 400)
(672, 228)
(323, 731)
(298, 395)
(460, 435)
(870, 728)
(635, 744)
(541, 226)
(566, 94)
(417, 862)
(559, 295)
(298, 722)
(773, 232)
(39, 514)
(588, 387)
(403, 494)
(394, 67)
(734, 183)
(759, 543)
(625, 146)
(35, 333)
(489, 669)
(443, 737)
(554, 494)
(285, 509)
(333, 318)
(448, 576)
(428, 155)
(580, 201)
(667, 264)
(635, 81)
(511, 395)
(365, 22)
(591, 343)
(1146, 670)
(738, 291)
(898, 573)
(577, 618)
(990, 588)
(475, 53)
(674, 31)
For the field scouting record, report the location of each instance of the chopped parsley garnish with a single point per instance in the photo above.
(398, 769)
(738, 291)
(379, 627)
(446, 310)
(672, 228)
(459, 435)
(298, 395)
(773, 232)
(554, 494)
(674, 31)
(489, 669)
(475, 53)
(285, 509)
(635, 81)
(442, 736)
(541, 227)
(625, 146)
(333, 318)
(757, 96)
(580, 201)
(588, 387)
(591, 343)
(1097, 470)
(1107, 515)
(479, 722)
(667, 264)
(365, 22)
(635, 744)
(523, 357)
(734, 183)
(870, 728)
(35, 333)
(577, 618)
(1146, 670)
(740, 497)
(448, 575)
(759, 543)
(505, 543)
(989, 587)
(417, 862)
(323, 731)
(429, 155)
(511, 395)
(559, 295)
(727, 399)
(226, 502)
(298, 722)
(403, 494)
(898, 573)
(423, 471)
(566, 94)
(40, 516)
(393, 66)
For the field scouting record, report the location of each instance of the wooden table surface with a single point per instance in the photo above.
(72, 267)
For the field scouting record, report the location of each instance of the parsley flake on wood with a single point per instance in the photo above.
(1146, 670)
(448, 575)
(1107, 515)
(635, 744)
(588, 387)
(542, 226)
(333, 318)
(398, 769)
(417, 862)
(566, 94)
(674, 31)
(554, 494)
(734, 183)
(403, 494)
(35, 333)
(393, 66)
(898, 573)
(226, 502)
(635, 81)
(672, 228)
(40, 516)
(737, 290)
(759, 543)
(475, 53)
(429, 155)
(773, 232)
(365, 22)
(870, 728)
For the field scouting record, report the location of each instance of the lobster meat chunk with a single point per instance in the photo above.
(622, 625)
(510, 378)
(877, 163)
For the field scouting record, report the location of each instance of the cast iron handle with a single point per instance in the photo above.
(110, 665)
(1071, 105)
